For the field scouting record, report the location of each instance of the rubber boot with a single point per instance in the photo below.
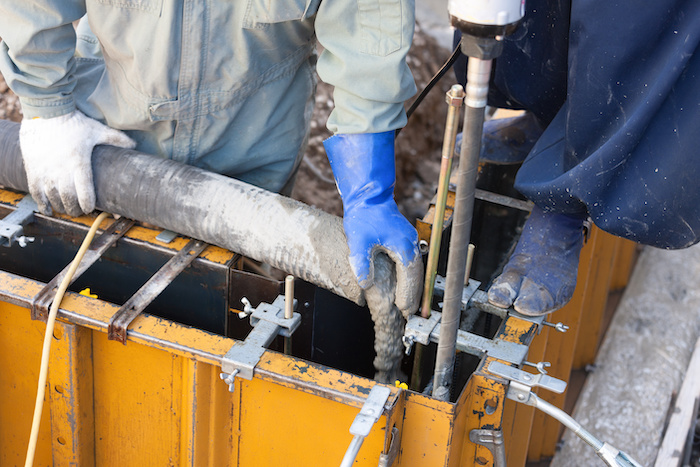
(540, 276)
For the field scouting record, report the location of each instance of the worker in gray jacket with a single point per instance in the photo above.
(225, 86)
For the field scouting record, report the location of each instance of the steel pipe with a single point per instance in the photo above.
(216, 209)
(353, 450)
(478, 75)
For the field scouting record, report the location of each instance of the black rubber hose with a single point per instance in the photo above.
(456, 53)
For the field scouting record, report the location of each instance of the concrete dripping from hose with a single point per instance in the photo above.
(388, 321)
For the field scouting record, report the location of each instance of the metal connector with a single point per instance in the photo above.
(424, 331)
(539, 366)
(370, 413)
(268, 322)
(520, 390)
(12, 226)
(561, 327)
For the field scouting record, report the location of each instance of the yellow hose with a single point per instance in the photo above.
(50, 322)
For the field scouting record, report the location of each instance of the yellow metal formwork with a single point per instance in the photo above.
(159, 401)
(605, 266)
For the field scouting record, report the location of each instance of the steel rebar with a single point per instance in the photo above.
(454, 98)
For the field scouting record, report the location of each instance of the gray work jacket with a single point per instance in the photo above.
(226, 85)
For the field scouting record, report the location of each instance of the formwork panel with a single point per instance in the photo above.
(153, 406)
(428, 429)
(137, 400)
(71, 394)
(282, 426)
(211, 431)
(159, 400)
(483, 408)
(20, 353)
(594, 302)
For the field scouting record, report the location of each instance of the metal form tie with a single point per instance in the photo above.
(42, 300)
(120, 321)
(370, 413)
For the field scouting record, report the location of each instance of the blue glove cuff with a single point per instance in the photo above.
(364, 170)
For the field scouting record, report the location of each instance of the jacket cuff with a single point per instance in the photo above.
(48, 107)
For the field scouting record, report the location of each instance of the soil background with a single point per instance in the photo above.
(418, 146)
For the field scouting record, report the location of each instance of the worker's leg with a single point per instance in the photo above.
(540, 276)
(529, 74)
(622, 147)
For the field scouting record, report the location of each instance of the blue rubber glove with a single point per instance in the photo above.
(363, 166)
(507, 140)
(540, 276)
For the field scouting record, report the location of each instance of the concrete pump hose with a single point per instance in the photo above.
(219, 210)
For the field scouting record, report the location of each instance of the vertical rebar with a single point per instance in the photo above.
(478, 74)
(288, 309)
(454, 98)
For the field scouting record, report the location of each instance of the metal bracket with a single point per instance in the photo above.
(419, 330)
(493, 441)
(269, 322)
(523, 378)
(468, 292)
(365, 420)
(388, 459)
(42, 300)
(371, 410)
(12, 226)
(520, 390)
(120, 321)
(424, 330)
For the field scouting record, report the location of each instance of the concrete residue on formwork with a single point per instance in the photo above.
(642, 360)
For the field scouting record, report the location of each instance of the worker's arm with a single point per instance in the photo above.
(363, 166)
(37, 62)
(37, 54)
(364, 58)
(365, 44)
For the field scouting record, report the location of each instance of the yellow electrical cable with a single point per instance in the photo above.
(50, 322)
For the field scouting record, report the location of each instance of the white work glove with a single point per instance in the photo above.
(57, 154)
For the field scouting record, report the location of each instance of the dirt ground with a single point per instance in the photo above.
(417, 147)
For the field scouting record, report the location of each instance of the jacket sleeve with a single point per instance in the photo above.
(36, 53)
(365, 43)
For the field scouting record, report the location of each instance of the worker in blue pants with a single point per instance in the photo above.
(225, 86)
(612, 94)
